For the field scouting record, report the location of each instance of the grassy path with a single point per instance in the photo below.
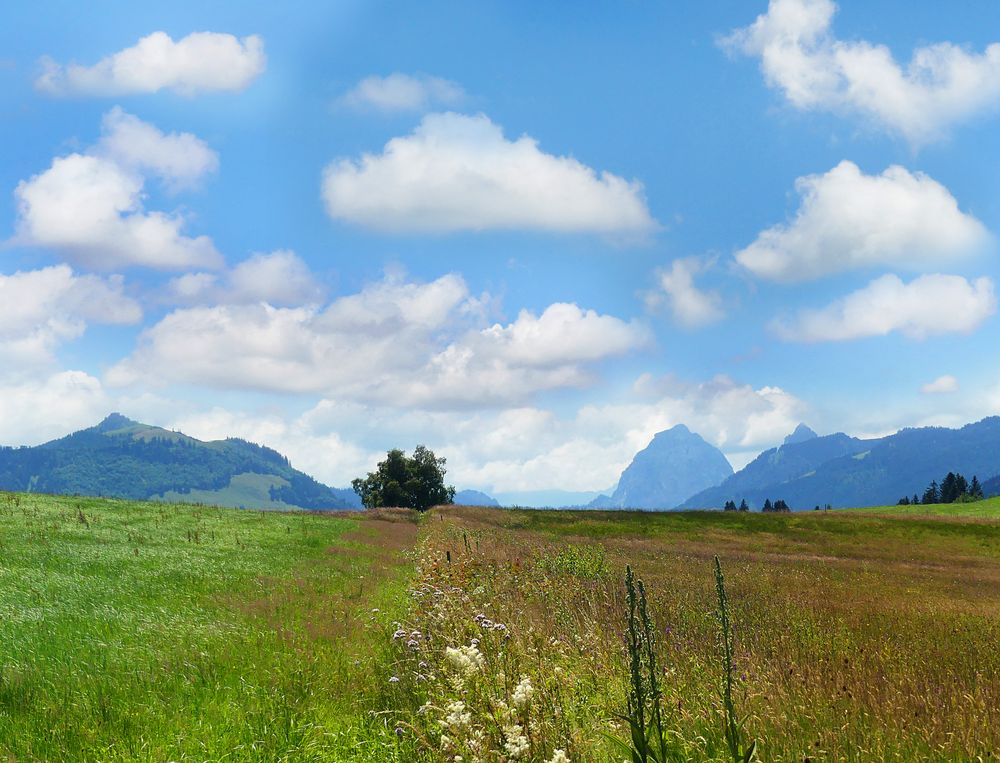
(138, 632)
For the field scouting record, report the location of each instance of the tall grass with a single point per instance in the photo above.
(733, 726)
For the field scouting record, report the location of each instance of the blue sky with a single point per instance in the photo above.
(527, 236)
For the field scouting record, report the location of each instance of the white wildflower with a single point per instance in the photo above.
(457, 716)
(522, 692)
(465, 660)
(517, 743)
(559, 756)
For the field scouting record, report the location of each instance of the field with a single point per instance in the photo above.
(144, 632)
(141, 632)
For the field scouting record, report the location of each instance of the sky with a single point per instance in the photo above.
(528, 236)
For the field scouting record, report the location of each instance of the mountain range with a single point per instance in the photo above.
(678, 469)
(676, 464)
(122, 458)
(845, 471)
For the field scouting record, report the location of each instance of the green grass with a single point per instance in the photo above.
(140, 632)
(248, 489)
(987, 509)
(149, 632)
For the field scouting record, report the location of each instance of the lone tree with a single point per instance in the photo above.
(416, 482)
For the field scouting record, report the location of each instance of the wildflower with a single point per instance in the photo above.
(458, 716)
(413, 644)
(558, 756)
(517, 743)
(400, 633)
(465, 659)
(522, 692)
(394, 680)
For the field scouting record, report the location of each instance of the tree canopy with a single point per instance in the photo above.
(414, 481)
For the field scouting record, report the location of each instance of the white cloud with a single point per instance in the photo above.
(458, 172)
(943, 84)
(35, 411)
(278, 278)
(928, 305)
(515, 448)
(394, 343)
(402, 92)
(200, 62)
(689, 305)
(848, 220)
(39, 309)
(90, 206)
(179, 159)
(941, 385)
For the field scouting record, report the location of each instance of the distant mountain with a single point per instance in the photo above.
(125, 459)
(555, 499)
(991, 487)
(763, 477)
(474, 498)
(676, 464)
(801, 434)
(877, 472)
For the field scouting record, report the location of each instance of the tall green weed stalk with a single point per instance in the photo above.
(649, 741)
(733, 726)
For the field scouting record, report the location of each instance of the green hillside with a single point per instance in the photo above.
(122, 458)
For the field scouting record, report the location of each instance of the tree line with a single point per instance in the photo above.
(769, 506)
(954, 488)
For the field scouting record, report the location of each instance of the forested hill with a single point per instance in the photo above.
(125, 459)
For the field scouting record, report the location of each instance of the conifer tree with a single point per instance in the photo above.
(768, 506)
(931, 494)
(743, 505)
(975, 489)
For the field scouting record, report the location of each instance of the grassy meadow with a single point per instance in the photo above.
(132, 631)
(144, 632)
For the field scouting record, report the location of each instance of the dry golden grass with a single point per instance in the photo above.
(858, 637)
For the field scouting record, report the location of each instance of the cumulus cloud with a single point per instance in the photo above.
(943, 84)
(457, 172)
(848, 220)
(514, 448)
(180, 160)
(534, 449)
(89, 206)
(37, 410)
(941, 385)
(40, 309)
(279, 278)
(928, 305)
(399, 92)
(690, 306)
(394, 343)
(200, 62)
